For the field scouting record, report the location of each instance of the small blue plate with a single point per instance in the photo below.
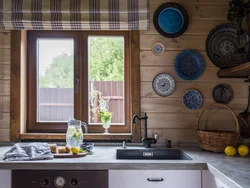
(171, 20)
(192, 99)
(189, 65)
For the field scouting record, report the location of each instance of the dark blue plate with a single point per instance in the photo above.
(192, 99)
(189, 65)
(171, 20)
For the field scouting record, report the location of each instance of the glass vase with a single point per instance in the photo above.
(106, 127)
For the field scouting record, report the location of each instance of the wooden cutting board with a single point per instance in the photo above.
(69, 155)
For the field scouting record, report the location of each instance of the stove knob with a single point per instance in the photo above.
(45, 182)
(74, 182)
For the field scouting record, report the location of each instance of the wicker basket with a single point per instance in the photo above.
(216, 141)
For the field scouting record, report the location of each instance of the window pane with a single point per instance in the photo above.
(106, 78)
(55, 63)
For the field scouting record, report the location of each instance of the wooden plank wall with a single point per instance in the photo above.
(4, 86)
(167, 116)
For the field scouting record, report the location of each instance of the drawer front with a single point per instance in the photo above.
(155, 178)
(5, 179)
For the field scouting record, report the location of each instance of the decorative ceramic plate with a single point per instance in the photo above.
(171, 20)
(224, 41)
(222, 93)
(192, 99)
(158, 48)
(163, 84)
(189, 65)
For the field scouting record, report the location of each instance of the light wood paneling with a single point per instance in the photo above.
(187, 121)
(5, 40)
(5, 56)
(240, 89)
(181, 43)
(209, 75)
(4, 104)
(195, 27)
(4, 71)
(174, 105)
(5, 121)
(5, 87)
(5, 135)
(201, 11)
(167, 59)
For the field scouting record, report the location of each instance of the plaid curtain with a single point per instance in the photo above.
(74, 14)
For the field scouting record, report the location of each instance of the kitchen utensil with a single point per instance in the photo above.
(171, 20)
(222, 41)
(222, 93)
(216, 141)
(189, 65)
(163, 84)
(192, 99)
(244, 118)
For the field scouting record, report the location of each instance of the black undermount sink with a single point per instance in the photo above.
(152, 154)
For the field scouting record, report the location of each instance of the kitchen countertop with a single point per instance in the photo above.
(233, 171)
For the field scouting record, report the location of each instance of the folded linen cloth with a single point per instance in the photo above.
(28, 152)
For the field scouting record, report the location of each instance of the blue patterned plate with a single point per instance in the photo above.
(189, 65)
(158, 48)
(192, 99)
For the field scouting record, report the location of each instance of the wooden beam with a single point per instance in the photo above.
(15, 104)
(135, 84)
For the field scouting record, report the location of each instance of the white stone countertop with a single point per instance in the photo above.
(233, 171)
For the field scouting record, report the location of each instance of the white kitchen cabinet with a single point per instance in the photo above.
(155, 178)
(5, 178)
(209, 181)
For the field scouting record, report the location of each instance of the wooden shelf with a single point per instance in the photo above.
(240, 71)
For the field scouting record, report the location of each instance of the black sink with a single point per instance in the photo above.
(152, 154)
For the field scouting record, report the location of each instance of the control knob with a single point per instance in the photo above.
(74, 182)
(45, 182)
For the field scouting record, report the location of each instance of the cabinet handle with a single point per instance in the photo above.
(155, 179)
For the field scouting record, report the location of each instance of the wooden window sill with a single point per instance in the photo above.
(89, 136)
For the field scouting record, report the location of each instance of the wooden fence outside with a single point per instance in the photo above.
(56, 104)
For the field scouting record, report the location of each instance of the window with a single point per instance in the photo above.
(81, 75)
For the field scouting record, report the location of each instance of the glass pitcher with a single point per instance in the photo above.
(74, 135)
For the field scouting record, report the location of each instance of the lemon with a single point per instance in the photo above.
(243, 150)
(230, 151)
(74, 150)
(71, 131)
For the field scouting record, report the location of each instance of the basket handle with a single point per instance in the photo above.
(221, 105)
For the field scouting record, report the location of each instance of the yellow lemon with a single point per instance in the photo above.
(75, 150)
(230, 151)
(243, 150)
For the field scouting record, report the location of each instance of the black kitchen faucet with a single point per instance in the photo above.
(146, 141)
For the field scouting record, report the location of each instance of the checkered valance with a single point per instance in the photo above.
(74, 14)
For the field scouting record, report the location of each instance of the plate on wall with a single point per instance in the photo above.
(163, 84)
(158, 48)
(223, 43)
(222, 93)
(189, 65)
(171, 20)
(192, 99)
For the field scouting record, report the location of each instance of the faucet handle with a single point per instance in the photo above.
(156, 136)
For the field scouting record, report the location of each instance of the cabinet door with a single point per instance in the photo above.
(209, 181)
(155, 178)
(5, 178)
